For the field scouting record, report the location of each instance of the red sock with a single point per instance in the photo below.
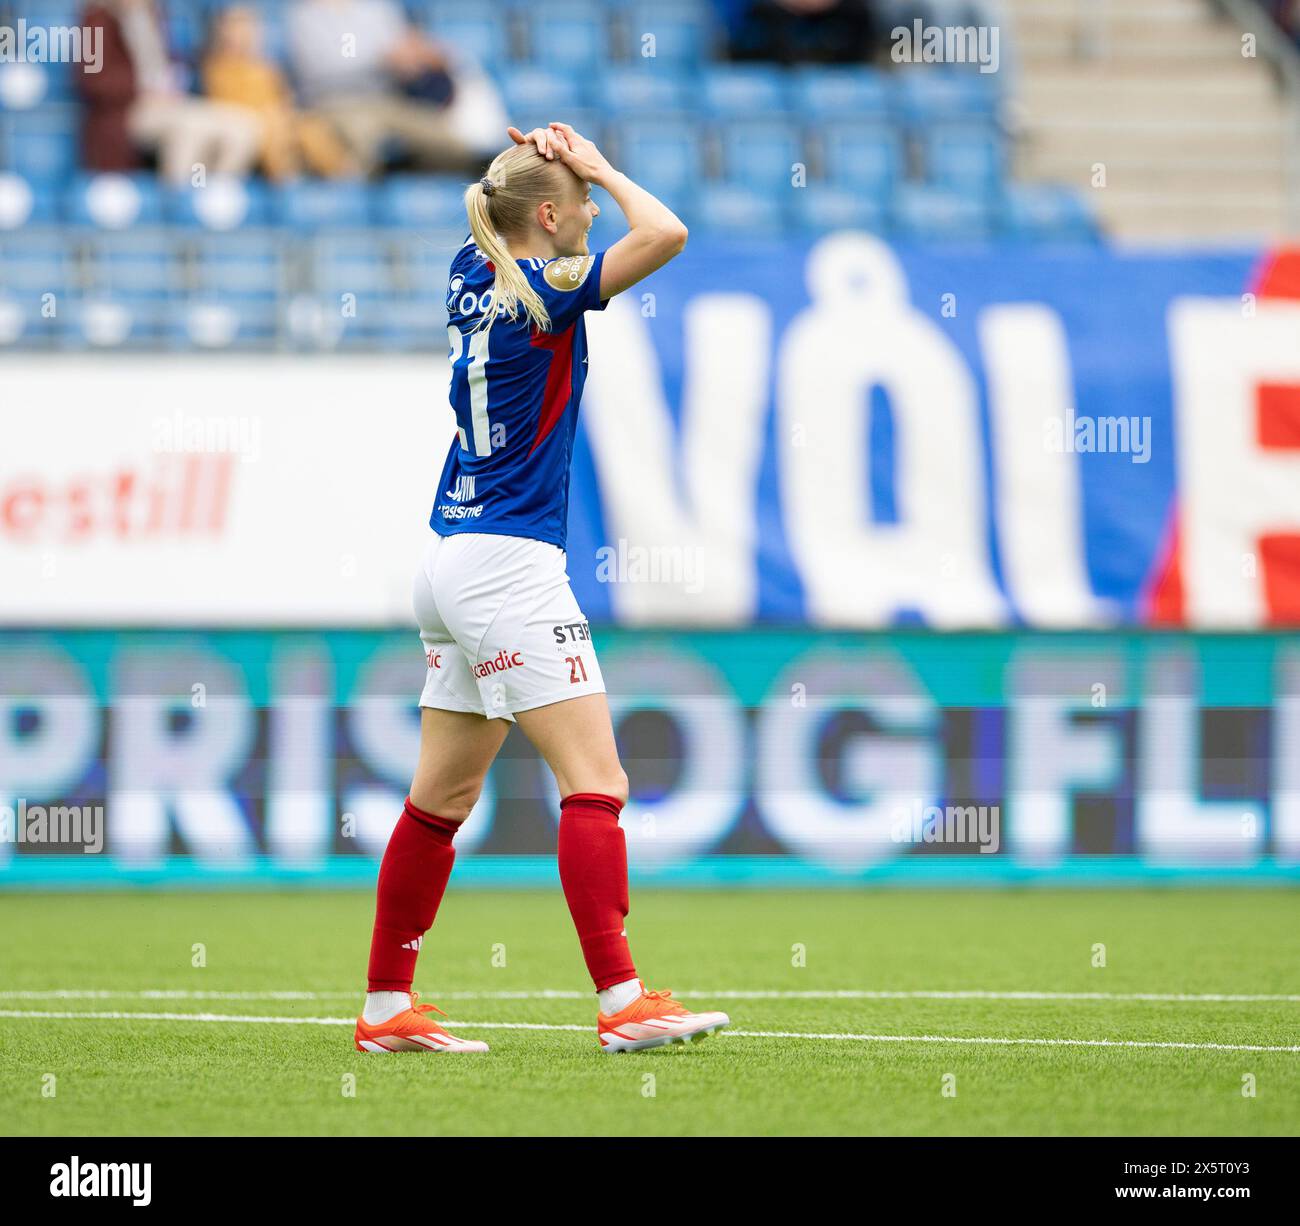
(593, 872)
(412, 878)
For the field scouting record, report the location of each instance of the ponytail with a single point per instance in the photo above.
(511, 289)
(504, 201)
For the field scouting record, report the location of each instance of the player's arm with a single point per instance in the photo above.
(655, 233)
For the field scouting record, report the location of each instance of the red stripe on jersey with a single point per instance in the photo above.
(559, 380)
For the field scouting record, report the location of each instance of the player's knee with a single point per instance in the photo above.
(451, 803)
(616, 786)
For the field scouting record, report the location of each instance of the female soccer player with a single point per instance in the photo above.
(503, 636)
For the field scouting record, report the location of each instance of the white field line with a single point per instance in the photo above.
(710, 993)
(77, 1015)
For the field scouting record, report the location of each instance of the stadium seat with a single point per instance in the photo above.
(222, 204)
(839, 94)
(669, 31)
(1045, 212)
(238, 265)
(113, 201)
(965, 158)
(40, 145)
(474, 27)
(665, 157)
(927, 96)
(222, 322)
(631, 89)
(760, 154)
(743, 91)
(924, 212)
(863, 158)
(730, 209)
(352, 264)
(567, 34)
(820, 207)
(421, 202)
(311, 205)
(20, 205)
(134, 265)
(533, 90)
(120, 321)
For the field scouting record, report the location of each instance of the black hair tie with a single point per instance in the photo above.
(489, 188)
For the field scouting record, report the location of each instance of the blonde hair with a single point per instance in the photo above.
(505, 201)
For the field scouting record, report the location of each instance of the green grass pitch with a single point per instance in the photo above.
(491, 956)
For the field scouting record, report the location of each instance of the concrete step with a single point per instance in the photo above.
(1172, 178)
(1255, 102)
(1090, 141)
(1144, 216)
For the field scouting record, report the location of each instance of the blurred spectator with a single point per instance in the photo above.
(1287, 15)
(806, 32)
(237, 71)
(136, 103)
(383, 83)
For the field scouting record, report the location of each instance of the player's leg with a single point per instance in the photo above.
(456, 749)
(576, 738)
(457, 746)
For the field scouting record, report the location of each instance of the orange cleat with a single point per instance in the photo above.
(412, 1030)
(654, 1019)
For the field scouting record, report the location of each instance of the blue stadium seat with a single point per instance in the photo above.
(925, 212)
(649, 85)
(569, 34)
(134, 266)
(40, 145)
(742, 91)
(222, 204)
(34, 264)
(421, 202)
(1046, 212)
(732, 209)
(965, 158)
(113, 201)
(820, 207)
(205, 322)
(120, 321)
(838, 94)
(928, 96)
(475, 27)
(239, 265)
(531, 89)
(681, 33)
(312, 205)
(667, 158)
(21, 205)
(24, 86)
(863, 158)
(352, 264)
(761, 153)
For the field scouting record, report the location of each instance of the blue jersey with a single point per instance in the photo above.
(515, 392)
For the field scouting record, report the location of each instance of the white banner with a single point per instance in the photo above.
(232, 490)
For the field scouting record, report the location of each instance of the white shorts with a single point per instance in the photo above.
(501, 629)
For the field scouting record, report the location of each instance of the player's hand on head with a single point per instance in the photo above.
(581, 155)
(546, 141)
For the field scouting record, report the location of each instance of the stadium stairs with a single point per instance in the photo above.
(1199, 142)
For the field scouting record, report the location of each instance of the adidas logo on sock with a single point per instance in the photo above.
(415, 945)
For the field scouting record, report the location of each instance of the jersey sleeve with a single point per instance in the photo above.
(568, 285)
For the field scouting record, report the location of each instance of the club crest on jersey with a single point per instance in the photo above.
(568, 272)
